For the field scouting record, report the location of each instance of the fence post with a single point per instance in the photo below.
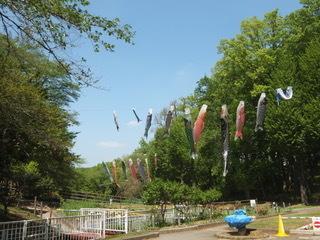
(3, 235)
(126, 221)
(80, 222)
(46, 237)
(24, 229)
(104, 224)
(35, 205)
(41, 210)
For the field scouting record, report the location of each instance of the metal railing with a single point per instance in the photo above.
(77, 228)
(124, 221)
(137, 223)
(113, 220)
(96, 223)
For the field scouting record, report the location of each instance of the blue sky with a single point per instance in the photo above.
(175, 45)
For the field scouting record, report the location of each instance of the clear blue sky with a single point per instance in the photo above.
(175, 45)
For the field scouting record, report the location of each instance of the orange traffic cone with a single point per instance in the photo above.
(281, 232)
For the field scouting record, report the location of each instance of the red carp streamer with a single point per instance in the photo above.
(132, 169)
(199, 124)
(240, 121)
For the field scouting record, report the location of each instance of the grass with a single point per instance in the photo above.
(77, 204)
(16, 214)
(297, 206)
(301, 206)
(126, 236)
(272, 223)
(312, 213)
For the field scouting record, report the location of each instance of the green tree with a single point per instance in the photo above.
(158, 192)
(34, 125)
(53, 25)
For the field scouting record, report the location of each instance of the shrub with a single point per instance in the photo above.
(263, 209)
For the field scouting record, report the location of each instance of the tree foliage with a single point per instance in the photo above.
(38, 81)
(181, 196)
(35, 146)
(53, 26)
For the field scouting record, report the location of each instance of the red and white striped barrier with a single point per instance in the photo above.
(316, 223)
(296, 217)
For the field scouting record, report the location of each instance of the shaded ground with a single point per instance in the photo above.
(209, 233)
(206, 234)
(16, 214)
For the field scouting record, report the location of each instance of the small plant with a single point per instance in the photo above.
(263, 209)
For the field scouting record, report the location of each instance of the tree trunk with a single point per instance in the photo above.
(303, 194)
(5, 208)
(163, 212)
(303, 185)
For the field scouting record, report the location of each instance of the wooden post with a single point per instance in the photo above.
(35, 205)
(41, 209)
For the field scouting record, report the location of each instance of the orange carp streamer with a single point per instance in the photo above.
(199, 124)
(240, 121)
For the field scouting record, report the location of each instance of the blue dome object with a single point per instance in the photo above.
(238, 219)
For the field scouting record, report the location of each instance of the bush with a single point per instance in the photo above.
(263, 209)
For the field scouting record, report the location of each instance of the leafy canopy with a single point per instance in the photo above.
(53, 26)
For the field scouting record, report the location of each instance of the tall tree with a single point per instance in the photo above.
(34, 122)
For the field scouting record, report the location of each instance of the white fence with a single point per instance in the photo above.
(140, 222)
(121, 220)
(52, 229)
(117, 220)
(112, 220)
(96, 223)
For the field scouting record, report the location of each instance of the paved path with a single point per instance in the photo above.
(204, 234)
(209, 234)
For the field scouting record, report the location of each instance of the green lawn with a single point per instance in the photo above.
(77, 204)
(126, 236)
(309, 213)
(15, 214)
(272, 223)
(301, 206)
